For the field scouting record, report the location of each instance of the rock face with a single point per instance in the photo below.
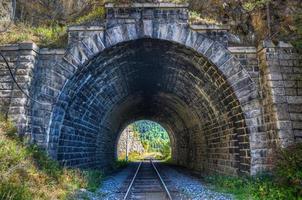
(6, 12)
(134, 143)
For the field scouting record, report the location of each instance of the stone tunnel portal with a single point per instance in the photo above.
(161, 81)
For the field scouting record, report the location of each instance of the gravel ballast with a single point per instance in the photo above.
(192, 187)
(188, 186)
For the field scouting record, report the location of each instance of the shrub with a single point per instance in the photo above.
(284, 184)
(54, 36)
(265, 187)
(50, 36)
(237, 186)
(26, 172)
(97, 13)
(94, 178)
(119, 164)
(11, 191)
(289, 168)
(297, 42)
(133, 156)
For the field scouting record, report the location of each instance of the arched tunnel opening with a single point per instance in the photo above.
(144, 139)
(157, 80)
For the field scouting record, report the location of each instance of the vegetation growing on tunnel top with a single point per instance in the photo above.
(50, 32)
(284, 184)
(247, 18)
(26, 172)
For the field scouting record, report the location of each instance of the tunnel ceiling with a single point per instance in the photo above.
(160, 81)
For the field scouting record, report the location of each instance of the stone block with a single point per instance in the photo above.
(296, 116)
(297, 125)
(294, 99)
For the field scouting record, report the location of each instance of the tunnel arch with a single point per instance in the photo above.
(204, 65)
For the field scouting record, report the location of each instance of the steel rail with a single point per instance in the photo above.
(132, 181)
(162, 181)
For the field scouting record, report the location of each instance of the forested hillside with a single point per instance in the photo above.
(45, 21)
(153, 136)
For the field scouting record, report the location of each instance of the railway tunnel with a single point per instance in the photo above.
(160, 81)
(225, 106)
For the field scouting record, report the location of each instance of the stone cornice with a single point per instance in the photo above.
(147, 5)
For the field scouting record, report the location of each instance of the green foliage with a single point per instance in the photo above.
(26, 172)
(289, 167)
(135, 1)
(237, 186)
(251, 5)
(298, 22)
(166, 150)
(8, 126)
(153, 136)
(12, 191)
(284, 184)
(196, 18)
(134, 156)
(53, 36)
(97, 13)
(265, 187)
(94, 179)
(121, 163)
(44, 163)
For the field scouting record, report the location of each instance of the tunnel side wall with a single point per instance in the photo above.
(22, 59)
(281, 78)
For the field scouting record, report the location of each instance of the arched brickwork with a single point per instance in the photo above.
(164, 72)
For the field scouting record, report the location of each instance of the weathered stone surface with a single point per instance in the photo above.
(6, 13)
(280, 89)
(129, 142)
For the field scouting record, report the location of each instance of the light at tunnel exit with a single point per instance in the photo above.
(142, 140)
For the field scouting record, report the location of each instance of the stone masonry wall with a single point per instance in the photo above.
(249, 58)
(280, 82)
(281, 73)
(45, 80)
(263, 110)
(22, 58)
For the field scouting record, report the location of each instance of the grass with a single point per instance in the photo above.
(298, 40)
(95, 14)
(262, 187)
(27, 173)
(55, 36)
(119, 164)
(52, 37)
(196, 18)
(135, 156)
(285, 183)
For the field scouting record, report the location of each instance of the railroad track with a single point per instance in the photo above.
(147, 184)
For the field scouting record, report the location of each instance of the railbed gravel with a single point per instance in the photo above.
(110, 187)
(192, 187)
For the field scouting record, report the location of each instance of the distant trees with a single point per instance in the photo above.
(7, 14)
(153, 136)
(254, 20)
